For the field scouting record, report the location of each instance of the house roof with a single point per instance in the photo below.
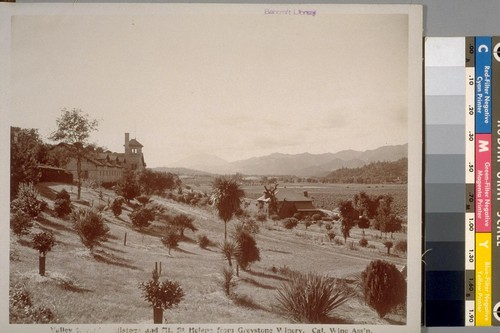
(287, 194)
(291, 195)
(134, 143)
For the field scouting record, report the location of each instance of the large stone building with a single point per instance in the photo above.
(109, 166)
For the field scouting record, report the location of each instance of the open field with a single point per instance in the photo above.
(102, 287)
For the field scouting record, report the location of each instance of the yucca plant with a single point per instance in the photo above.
(311, 298)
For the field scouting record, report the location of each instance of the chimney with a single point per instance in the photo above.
(127, 139)
(306, 194)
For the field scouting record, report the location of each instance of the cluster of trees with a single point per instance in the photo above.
(145, 182)
(373, 173)
(367, 211)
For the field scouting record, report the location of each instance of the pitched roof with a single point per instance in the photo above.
(291, 195)
(134, 143)
(287, 194)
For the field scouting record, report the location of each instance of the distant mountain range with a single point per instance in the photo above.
(303, 165)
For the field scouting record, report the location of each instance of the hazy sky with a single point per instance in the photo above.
(235, 86)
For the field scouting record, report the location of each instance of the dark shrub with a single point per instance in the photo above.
(62, 204)
(311, 298)
(384, 286)
(171, 239)
(143, 199)
(275, 217)
(20, 223)
(328, 226)
(203, 241)
(89, 225)
(290, 223)
(141, 217)
(43, 242)
(401, 246)
(248, 252)
(22, 311)
(363, 242)
(116, 207)
(27, 200)
(164, 295)
(316, 217)
(307, 223)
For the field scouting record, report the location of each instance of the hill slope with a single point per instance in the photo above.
(102, 287)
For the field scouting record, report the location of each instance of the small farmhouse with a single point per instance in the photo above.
(290, 202)
(109, 166)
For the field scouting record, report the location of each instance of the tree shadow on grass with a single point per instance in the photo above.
(178, 249)
(105, 258)
(258, 284)
(112, 248)
(43, 222)
(69, 286)
(247, 302)
(24, 242)
(269, 276)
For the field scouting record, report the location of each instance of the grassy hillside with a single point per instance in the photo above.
(102, 287)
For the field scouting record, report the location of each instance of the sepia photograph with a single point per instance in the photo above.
(223, 168)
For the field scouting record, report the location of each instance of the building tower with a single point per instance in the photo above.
(134, 159)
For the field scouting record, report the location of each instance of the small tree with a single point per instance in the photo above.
(226, 197)
(388, 245)
(89, 225)
(141, 217)
(27, 200)
(171, 239)
(203, 241)
(74, 128)
(228, 282)
(116, 206)
(62, 204)
(161, 295)
(43, 242)
(248, 252)
(363, 223)
(384, 286)
(229, 250)
(307, 223)
(182, 222)
(127, 186)
(20, 223)
(349, 215)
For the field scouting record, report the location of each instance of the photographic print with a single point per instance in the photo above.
(213, 168)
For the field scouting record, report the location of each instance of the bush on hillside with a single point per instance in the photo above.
(384, 287)
(290, 223)
(311, 298)
(401, 246)
(20, 223)
(89, 225)
(62, 204)
(248, 252)
(27, 200)
(363, 242)
(141, 217)
(22, 310)
(203, 241)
